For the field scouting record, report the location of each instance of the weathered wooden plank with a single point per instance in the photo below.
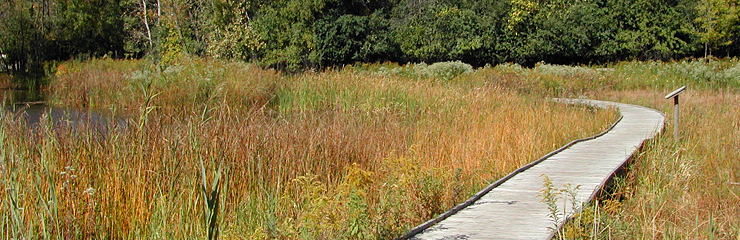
(513, 209)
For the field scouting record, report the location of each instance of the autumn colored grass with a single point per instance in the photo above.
(350, 153)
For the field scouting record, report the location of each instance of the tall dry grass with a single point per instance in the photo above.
(341, 154)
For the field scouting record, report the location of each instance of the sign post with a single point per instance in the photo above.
(674, 95)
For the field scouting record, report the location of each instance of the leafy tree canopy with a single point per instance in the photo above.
(294, 35)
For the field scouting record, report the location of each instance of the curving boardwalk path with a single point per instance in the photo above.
(511, 208)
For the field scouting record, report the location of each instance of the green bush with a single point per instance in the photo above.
(442, 70)
(561, 70)
(447, 70)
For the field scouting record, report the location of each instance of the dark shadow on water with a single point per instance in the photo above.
(35, 113)
(11, 96)
(21, 88)
(28, 104)
(30, 107)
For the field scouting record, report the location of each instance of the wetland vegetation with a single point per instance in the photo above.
(286, 119)
(366, 151)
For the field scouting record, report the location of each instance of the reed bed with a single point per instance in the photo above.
(348, 153)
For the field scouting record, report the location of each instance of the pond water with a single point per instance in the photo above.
(34, 112)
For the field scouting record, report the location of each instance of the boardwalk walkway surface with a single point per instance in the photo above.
(512, 208)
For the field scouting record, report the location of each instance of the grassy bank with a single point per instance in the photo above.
(361, 152)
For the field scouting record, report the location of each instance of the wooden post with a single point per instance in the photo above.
(674, 95)
(675, 118)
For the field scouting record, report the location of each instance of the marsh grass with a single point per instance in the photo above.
(341, 154)
(356, 152)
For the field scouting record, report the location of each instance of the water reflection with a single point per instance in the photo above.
(34, 113)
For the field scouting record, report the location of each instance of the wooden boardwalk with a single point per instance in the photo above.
(511, 208)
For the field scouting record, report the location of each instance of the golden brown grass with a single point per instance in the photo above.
(339, 154)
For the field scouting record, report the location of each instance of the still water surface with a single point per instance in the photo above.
(29, 106)
(34, 113)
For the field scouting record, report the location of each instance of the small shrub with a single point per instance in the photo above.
(442, 70)
(448, 70)
(732, 75)
(550, 196)
(562, 70)
(509, 68)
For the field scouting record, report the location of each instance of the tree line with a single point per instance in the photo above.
(293, 35)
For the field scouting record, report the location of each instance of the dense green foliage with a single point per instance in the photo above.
(298, 34)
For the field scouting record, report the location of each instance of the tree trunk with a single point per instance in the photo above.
(146, 24)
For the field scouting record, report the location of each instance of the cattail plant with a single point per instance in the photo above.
(211, 200)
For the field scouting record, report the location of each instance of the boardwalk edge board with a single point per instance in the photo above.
(595, 103)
